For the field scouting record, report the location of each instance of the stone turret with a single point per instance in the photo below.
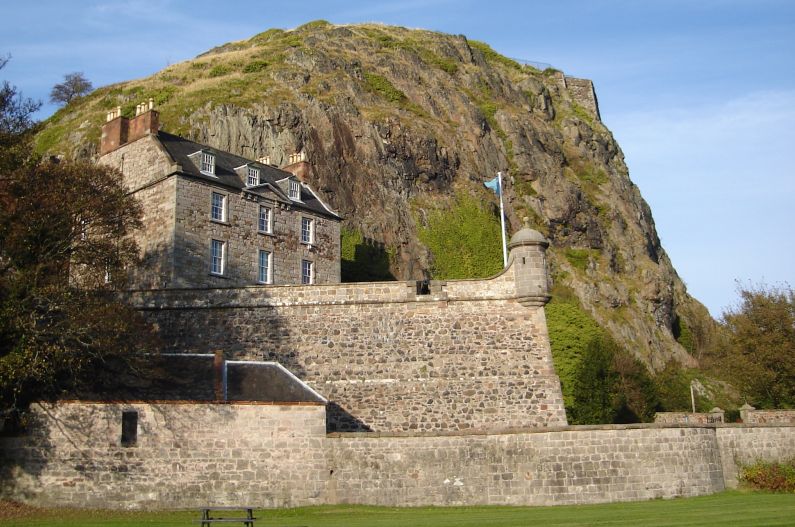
(529, 263)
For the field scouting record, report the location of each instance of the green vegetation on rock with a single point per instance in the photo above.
(601, 382)
(463, 238)
(363, 260)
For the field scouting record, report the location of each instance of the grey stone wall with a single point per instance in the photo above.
(689, 417)
(746, 445)
(583, 92)
(189, 455)
(761, 417)
(186, 455)
(585, 465)
(468, 356)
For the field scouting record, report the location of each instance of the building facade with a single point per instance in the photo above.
(214, 219)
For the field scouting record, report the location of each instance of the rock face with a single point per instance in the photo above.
(393, 119)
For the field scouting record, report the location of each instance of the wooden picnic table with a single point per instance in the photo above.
(210, 517)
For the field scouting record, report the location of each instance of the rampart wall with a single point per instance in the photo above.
(467, 355)
(186, 455)
(190, 455)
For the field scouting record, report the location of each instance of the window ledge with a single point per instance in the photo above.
(216, 275)
(219, 222)
(266, 233)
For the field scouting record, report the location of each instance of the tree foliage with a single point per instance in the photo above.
(63, 232)
(74, 85)
(16, 124)
(601, 381)
(760, 350)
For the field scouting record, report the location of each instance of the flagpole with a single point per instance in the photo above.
(502, 223)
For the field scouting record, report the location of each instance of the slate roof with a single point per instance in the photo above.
(180, 149)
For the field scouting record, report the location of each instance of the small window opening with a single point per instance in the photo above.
(423, 287)
(129, 428)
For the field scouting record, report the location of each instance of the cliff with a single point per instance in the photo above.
(401, 128)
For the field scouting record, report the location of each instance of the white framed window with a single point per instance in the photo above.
(294, 189)
(218, 207)
(307, 231)
(217, 257)
(265, 223)
(252, 176)
(264, 267)
(307, 272)
(208, 163)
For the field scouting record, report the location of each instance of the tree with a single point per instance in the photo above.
(760, 351)
(16, 124)
(64, 229)
(74, 85)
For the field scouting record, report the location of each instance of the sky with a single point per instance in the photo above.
(699, 94)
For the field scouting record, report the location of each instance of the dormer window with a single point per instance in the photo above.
(294, 189)
(208, 164)
(252, 178)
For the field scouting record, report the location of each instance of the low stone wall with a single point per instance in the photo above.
(762, 417)
(745, 445)
(582, 465)
(189, 455)
(698, 418)
(185, 455)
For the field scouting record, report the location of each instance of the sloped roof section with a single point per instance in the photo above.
(199, 378)
(180, 150)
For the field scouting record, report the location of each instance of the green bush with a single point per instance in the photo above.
(776, 477)
(255, 66)
(492, 56)
(570, 330)
(381, 85)
(219, 71)
(578, 258)
(464, 239)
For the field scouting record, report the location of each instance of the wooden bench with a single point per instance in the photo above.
(208, 518)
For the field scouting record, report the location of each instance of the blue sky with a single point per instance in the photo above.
(700, 95)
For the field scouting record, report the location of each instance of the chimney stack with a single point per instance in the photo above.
(118, 130)
(298, 165)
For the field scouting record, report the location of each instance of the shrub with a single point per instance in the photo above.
(578, 258)
(219, 71)
(381, 85)
(492, 56)
(775, 477)
(255, 66)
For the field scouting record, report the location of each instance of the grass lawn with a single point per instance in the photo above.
(728, 508)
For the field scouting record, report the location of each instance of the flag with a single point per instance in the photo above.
(494, 185)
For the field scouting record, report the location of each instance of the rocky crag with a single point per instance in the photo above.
(396, 124)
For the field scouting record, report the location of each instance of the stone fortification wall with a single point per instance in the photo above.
(762, 417)
(583, 92)
(748, 444)
(582, 465)
(189, 455)
(689, 417)
(186, 455)
(465, 356)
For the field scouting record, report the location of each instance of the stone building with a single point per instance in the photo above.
(214, 219)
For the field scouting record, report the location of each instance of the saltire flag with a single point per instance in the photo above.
(494, 185)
